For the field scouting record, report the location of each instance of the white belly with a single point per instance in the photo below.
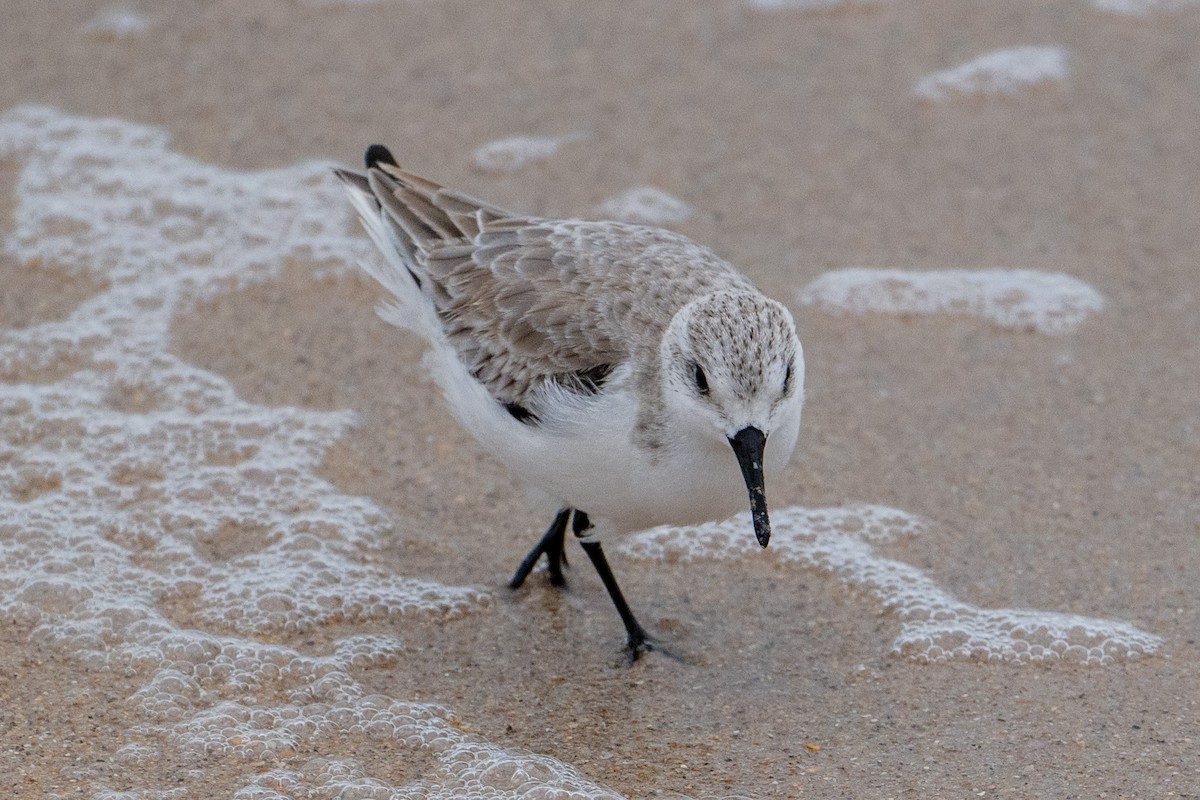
(588, 461)
(672, 490)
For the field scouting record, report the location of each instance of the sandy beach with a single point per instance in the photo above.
(245, 551)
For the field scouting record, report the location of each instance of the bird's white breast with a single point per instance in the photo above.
(583, 455)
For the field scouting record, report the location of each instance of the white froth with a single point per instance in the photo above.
(153, 524)
(644, 205)
(118, 21)
(998, 72)
(1021, 299)
(328, 3)
(935, 625)
(1143, 8)
(517, 152)
(813, 5)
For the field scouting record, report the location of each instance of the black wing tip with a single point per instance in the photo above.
(378, 154)
(355, 180)
(521, 414)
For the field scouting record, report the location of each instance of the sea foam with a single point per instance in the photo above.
(118, 21)
(644, 205)
(1020, 299)
(997, 73)
(935, 626)
(814, 5)
(1143, 8)
(156, 526)
(517, 152)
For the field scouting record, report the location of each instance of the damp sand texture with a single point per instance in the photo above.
(246, 552)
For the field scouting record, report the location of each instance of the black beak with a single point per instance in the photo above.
(748, 445)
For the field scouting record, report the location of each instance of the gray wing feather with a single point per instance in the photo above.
(526, 300)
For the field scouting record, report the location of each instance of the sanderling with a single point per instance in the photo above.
(613, 367)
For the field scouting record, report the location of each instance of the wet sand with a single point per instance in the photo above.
(1059, 472)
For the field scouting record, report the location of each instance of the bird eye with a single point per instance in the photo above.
(787, 379)
(701, 379)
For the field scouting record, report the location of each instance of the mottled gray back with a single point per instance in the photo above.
(526, 300)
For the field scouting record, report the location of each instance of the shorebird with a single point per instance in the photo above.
(631, 376)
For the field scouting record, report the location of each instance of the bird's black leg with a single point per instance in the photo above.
(638, 640)
(552, 545)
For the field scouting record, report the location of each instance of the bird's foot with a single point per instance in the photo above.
(553, 570)
(640, 642)
(553, 547)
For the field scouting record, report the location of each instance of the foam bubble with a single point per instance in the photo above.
(814, 5)
(330, 3)
(155, 524)
(935, 625)
(644, 205)
(117, 21)
(998, 72)
(1021, 299)
(517, 152)
(1143, 8)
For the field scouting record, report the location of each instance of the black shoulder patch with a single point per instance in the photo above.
(589, 381)
(521, 413)
(378, 154)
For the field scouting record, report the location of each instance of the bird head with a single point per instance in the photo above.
(734, 369)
